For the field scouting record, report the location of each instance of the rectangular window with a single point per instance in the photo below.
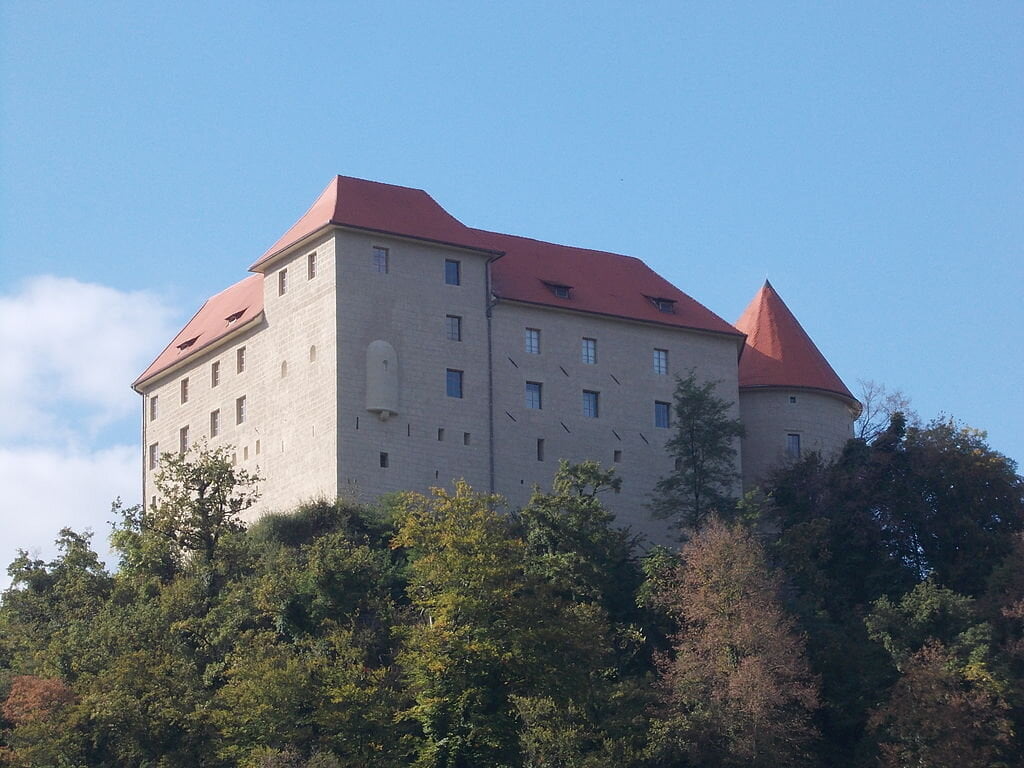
(383, 460)
(661, 414)
(183, 439)
(215, 423)
(184, 390)
(533, 394)
(453, 327)
(452, 272)
(590, 404)
(793, 446)
(440, 433)
(588, 351)
(453, 383)
(282, 282)
(154, 408)
(465, 438)
(540, 449)
(532, 340)
(661, 361)
(617, 456)
(311, 266)
(154, 455)
(380, 260)
(215, 373)
(240, 410)
(240, 359)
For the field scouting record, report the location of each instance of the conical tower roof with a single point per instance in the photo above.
(779, 353)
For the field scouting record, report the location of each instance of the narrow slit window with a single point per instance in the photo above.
(183, 439)
(184, 390)
(215, 422)
(540, 449)
(311, 266)
(215, 373)
(240, 407)
(282, 282)
(154, 407)
(440, 434)
(154, 455)
(240, 360)
(465, 438)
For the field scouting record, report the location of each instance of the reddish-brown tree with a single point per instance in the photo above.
(738, 689)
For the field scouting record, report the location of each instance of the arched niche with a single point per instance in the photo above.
(381, 379)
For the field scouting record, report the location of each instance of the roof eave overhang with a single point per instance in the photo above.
(735, 335)
(266, 261)
(210, 346)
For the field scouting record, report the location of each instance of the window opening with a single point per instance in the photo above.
(533, 394)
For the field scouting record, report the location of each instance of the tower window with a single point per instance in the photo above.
(661, 361)
(154, 455)
(533, 394)
(532, 341)
(380, 260)
(184, 390)
(590, 404)
(153, 407)
(183, 439)
(240, 410)
(240, 359)
(383, 459)
(588, 351)
(311, 266)
(540, 449)
(453, 327)
(453, 383)
(282, 282)
(215, 423)
(215, 373)
(661, 414)
(793, 446)
(452, 272)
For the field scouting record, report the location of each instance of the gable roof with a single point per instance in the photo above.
(378, 207)
(778, 352)
(599, 282)
(242, 303)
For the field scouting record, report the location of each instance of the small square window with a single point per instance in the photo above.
(540, 449)
(154, 455)
(452, 272)
(383, 459)
(793, 446)
(533, 395)
(183, 439)
(184, 390)
(240, 410)
(380, 260)
(662, 413)
(215, 373)
(282, 282)
(453, 383)
(792, 398)
(661, 361)
(588, 351)
(240, 360)
(590, 404)
(154, 407)
(215, 423)
(532, 341)
(453, 327)
(311, 266)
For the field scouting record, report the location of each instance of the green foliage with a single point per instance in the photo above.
(704, 446)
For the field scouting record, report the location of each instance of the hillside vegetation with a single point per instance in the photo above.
(864, 612)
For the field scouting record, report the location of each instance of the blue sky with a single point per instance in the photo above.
(866, 157)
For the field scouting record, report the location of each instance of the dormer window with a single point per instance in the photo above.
(561, 291)
(663, 305)
(234, 316)
(186, 344)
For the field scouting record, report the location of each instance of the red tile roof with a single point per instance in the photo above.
(379, 207)
(599, 282)
(243, 302)
(779, 353)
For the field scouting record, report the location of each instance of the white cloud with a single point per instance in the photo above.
(69, 353)
(70, 350)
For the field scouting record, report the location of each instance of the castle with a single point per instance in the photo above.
(382, 345)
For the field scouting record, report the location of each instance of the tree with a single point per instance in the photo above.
(703, 446)
(878, 406)
(738, 690)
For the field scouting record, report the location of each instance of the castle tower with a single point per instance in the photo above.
(791, 401)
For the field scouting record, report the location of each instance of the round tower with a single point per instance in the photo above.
(791, 401)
